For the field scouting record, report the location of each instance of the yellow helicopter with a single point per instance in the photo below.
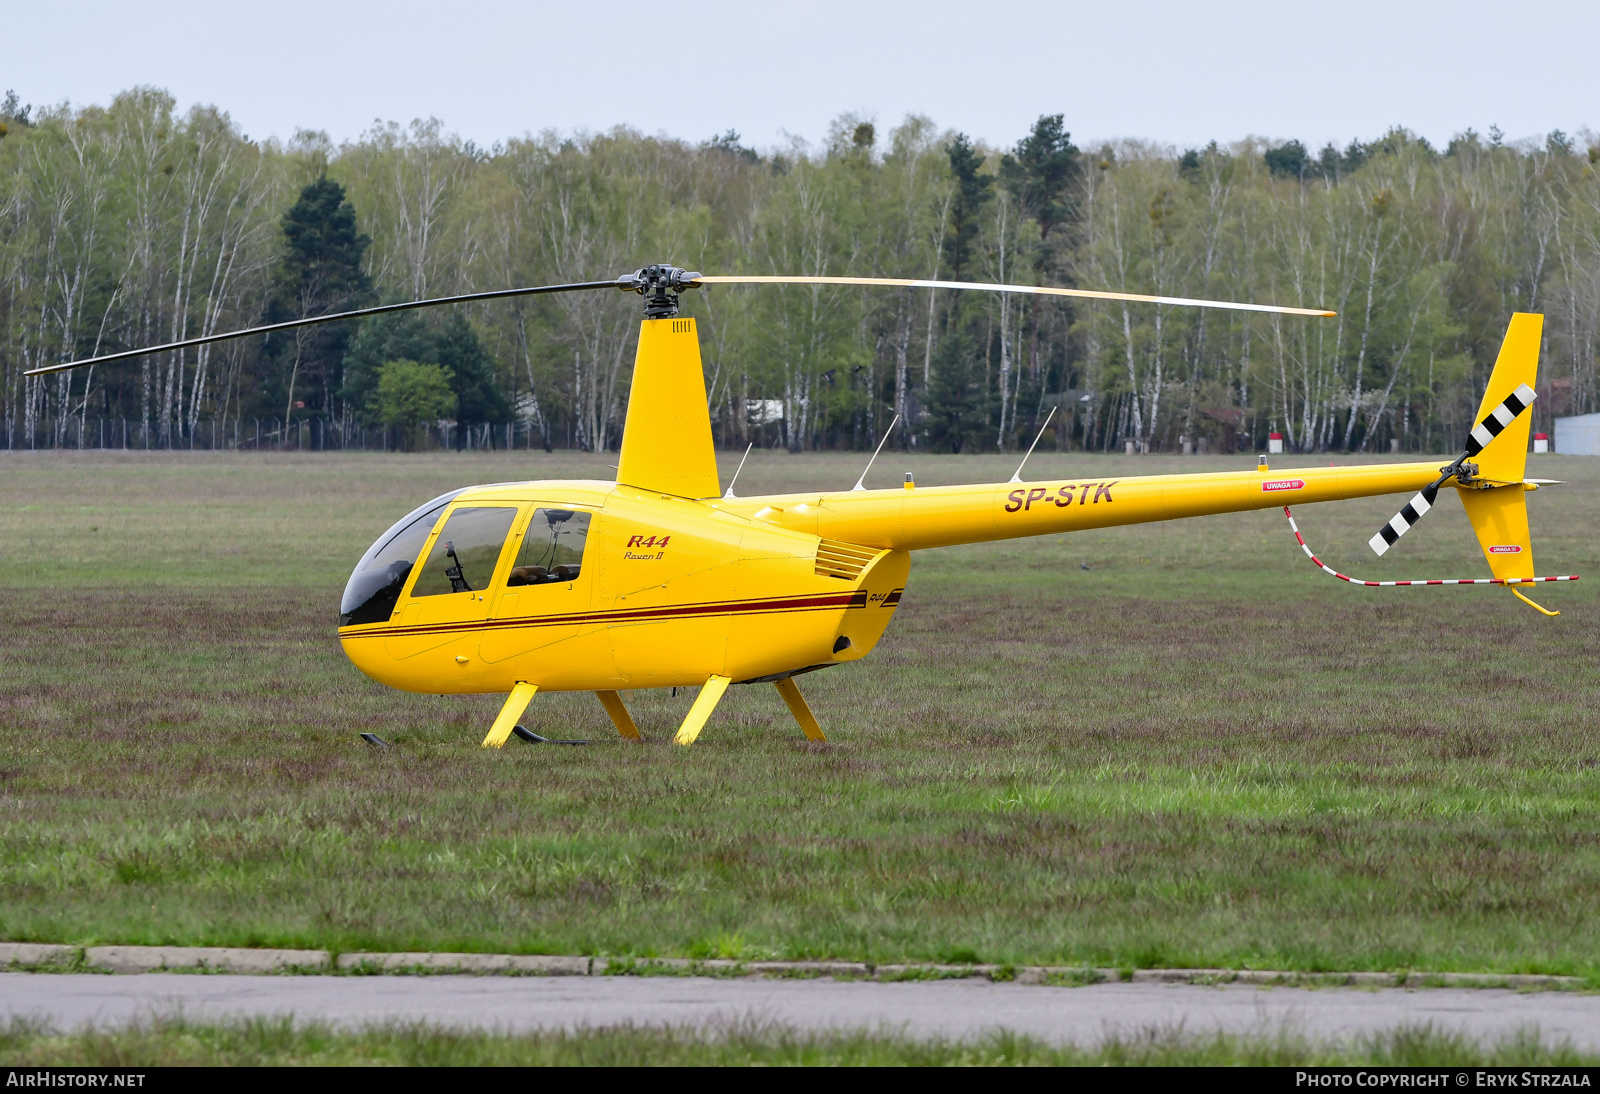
(664, 579)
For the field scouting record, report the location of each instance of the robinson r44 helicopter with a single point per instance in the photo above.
(663, 579)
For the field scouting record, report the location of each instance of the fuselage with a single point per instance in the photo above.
(587, 585)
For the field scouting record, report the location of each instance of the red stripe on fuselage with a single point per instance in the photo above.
(635, 615)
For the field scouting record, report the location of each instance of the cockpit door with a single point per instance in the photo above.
(448, 597)
(544, 600)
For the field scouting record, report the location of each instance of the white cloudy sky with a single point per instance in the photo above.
(1180, 73)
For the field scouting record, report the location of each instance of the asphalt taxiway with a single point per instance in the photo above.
(949, 1008)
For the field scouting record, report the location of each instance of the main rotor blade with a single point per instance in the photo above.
(497, 294)
(1036, 290)
(1485, 431)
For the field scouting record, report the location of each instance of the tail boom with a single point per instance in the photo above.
(942, 516)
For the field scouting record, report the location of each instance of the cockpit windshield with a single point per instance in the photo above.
(374, 587)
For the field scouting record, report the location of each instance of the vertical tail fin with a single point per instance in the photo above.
(1500, 519)
(1499, 510)
(1504, 458)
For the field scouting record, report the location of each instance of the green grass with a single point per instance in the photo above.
(283, 1042)
(1197, 752)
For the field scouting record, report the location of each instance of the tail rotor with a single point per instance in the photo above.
(1489, 475)
(1492, 425)
(1413, 511)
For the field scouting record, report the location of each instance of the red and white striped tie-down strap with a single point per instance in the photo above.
(1436, 581)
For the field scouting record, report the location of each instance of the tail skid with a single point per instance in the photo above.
(1511, 582)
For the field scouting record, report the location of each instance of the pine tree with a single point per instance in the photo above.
(972, 194)
(955, 393)
(319, 272)
(1041, 173)
(460, 351)
(956, 399)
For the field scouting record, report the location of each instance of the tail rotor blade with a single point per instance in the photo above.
(1414, 510)
(1482, 433)
(1500, 417)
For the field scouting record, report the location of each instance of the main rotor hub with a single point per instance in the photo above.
(660, 286)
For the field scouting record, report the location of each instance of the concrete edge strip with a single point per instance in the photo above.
(141, 959)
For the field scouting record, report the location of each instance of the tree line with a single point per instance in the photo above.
(135, 224)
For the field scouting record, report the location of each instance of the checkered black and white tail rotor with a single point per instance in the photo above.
(1402, 521)
(1500, 417)
(1482, 433)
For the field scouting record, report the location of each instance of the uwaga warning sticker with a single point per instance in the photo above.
(1506, 549)
(1282, 484)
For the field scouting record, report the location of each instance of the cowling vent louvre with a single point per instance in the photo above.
(844, 561)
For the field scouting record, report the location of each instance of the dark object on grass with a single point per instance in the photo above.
(375, 741)
(534, 739)
(1083, 565)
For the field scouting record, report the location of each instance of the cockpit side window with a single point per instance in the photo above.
(552, 547)
(466, 551)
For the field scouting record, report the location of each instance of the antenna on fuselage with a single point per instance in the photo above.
(1016, 476)
(735, 478)
(861, 483)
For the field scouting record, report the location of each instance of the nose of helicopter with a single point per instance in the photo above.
(374, 586)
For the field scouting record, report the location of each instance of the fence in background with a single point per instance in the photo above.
(257, 434)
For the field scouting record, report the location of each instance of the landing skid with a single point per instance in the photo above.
(534, 739)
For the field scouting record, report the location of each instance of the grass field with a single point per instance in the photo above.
(1199, 751)
(282, 1041)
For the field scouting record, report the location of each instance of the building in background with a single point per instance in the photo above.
(1578, 436)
